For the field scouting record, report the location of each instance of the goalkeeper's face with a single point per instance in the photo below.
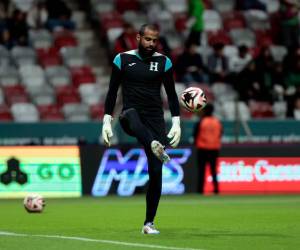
(148, 42)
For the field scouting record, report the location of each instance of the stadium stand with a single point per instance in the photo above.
(62, 64)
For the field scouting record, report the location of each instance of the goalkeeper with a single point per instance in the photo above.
(141, 73)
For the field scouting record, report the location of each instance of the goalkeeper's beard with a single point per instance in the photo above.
(144, 52)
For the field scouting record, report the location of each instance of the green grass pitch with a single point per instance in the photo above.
(185, 222)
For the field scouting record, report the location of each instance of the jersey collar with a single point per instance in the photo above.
(136, 53)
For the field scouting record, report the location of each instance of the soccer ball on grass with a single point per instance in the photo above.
(34, 203)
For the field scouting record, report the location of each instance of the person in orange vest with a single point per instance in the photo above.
(207, 139)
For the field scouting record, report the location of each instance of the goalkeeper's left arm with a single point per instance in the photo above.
(175, 131)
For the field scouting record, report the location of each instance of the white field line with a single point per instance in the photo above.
(112, 242)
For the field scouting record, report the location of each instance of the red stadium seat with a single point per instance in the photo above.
(15, 89)
(97, 111)
(82, 75)
(208, 4)
(53, 117)
(66, 90)
(82, 79)
(64, 99)
(50, 113)
(124, 5)
(15, 94)
(67, 94)
(261, 109)
(49, 57)
(81, 70)
(110, 16)
(254, 51)
(51, 108)
(65, 42)
(233, 20)
(180, 22)
(64, 39)
(263, 38)
(218, 37)
(46, 51)
(110, 20)
(5, 114)
(17, 98)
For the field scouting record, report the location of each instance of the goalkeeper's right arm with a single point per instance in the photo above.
(110, 100)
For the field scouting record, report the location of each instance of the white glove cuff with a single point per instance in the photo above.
(107, 118)
(176, 120)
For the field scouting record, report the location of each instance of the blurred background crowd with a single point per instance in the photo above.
(55, 55)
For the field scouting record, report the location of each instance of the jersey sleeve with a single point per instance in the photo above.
(169, 86)
(115, 81)
(168, 64)
(117, 61)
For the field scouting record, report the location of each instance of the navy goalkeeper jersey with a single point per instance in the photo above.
(141, 80)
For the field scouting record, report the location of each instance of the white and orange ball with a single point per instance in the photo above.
(34, 203)
(193, 99)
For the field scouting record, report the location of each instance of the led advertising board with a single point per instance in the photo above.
(52, 171)
(130, 170)
(257, 175)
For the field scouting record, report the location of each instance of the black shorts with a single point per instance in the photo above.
(156, 125)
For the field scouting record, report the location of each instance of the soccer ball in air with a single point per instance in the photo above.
(34, 203)
(193, 99)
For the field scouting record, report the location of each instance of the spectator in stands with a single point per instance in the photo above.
(291, 59)
(293, 76)
(239, 62)
(291, 65)
(207, 140)
(4, 32)
(278, 78)
(4, 35)
(18, 28)
(217, 64)
(127, 40)
(250, 4)
(273, 74)
(250, 84)
(126, 5)
(37, 16)
(4, 6)
(289, 23)
(265, 63)
(297, 108)
(59, 15)
(163, 45)
(154, 10)
(195, 22)
(22, 5)
(189, 66)
(292, 99)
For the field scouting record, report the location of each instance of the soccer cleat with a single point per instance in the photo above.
(159, 151)
(149, 229)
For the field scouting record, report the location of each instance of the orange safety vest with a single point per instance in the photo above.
(209, 134)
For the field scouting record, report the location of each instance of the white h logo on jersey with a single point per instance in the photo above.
(154, 66)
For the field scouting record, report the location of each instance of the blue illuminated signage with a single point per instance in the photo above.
(130, 170)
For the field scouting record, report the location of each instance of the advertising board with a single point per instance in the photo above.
(123, 171)
(52, 171)
(257, 175)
